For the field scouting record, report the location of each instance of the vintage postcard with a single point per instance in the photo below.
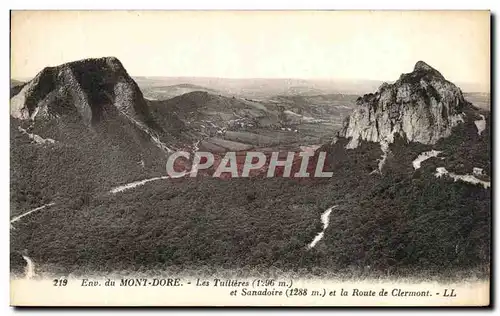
(250, 158)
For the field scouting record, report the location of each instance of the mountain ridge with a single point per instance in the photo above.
(422, 106)
(397, 222)
(92, 86)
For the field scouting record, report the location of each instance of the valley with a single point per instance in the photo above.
(89, 146)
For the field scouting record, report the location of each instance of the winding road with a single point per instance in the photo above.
(15, 219)
(325, 219)
(29, 270)
(135, 184)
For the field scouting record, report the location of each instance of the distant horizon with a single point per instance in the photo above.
(306, 45)
(360, 80)
(251, 78)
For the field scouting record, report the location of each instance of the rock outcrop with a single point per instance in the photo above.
(421, 106)
(89, 88)
(96, 94)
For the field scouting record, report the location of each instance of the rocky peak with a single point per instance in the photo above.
(423, 66)
(421, 106)
(423, 70)
(89, 88)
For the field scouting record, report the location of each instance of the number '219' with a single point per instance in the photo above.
(60, 282)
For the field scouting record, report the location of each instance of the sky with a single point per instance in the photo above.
(377, 45)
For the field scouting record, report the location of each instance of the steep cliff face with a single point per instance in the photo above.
(89, 88)
(421, 106)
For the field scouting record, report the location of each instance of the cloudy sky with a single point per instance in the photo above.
(263, 44)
